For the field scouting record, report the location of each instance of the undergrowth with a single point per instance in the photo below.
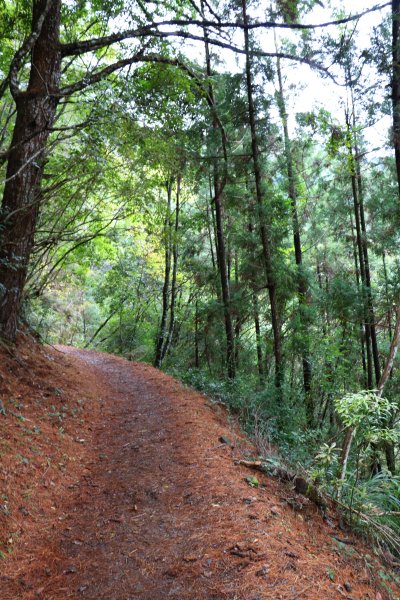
(261, 412)
(369, 505)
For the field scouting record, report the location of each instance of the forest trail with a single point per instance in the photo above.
(159, 509)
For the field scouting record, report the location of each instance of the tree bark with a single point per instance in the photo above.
(196, 337)
(396, 84)
(302, 285)
(362, 249)
(389, 446)
(264, 234)
(392, 355)
(36, 109)
(162, 332)
(361, 324)
(256, 317)
(217, 201)
(171, 326)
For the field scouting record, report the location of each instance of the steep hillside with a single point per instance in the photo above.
(119, 483)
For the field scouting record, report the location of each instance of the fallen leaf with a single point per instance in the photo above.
(252, 481)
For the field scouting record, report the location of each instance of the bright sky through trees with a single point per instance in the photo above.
(312, 89)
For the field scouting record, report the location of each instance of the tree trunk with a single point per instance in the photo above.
(257, 328)
(162, 332)
(36, 108)
(256, 317)
(362, 255)
(222, 266)
(361, 324)
(196, 337)
(389, 446)
(238, 321)
(344, 458)
(171, 326)
(264, 234)
(389, 308)
(396, 84)
(370, 306)
(217, 201)
(302, 286)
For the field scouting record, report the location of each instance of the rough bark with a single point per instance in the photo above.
(36, 109)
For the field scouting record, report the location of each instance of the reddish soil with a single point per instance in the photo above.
(115, 485)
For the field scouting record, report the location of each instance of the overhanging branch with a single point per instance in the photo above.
(76, 48)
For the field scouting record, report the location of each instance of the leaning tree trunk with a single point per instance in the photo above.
(389, 446)
(35, 113)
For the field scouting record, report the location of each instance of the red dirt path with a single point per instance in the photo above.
(151, 505)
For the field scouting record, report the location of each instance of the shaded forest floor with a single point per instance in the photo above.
(116, 484)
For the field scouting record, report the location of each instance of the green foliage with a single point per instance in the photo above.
(374, 506)
(106, 227)
(369, 414)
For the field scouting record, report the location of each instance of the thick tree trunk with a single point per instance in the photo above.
(36, 108)
(264, 234)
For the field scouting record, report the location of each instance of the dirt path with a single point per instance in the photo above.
(162, 511)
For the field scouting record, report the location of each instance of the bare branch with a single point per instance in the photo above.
(146, 30)
(100, 75)
(140, 57)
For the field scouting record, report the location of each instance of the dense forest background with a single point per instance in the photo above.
(214, 188)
